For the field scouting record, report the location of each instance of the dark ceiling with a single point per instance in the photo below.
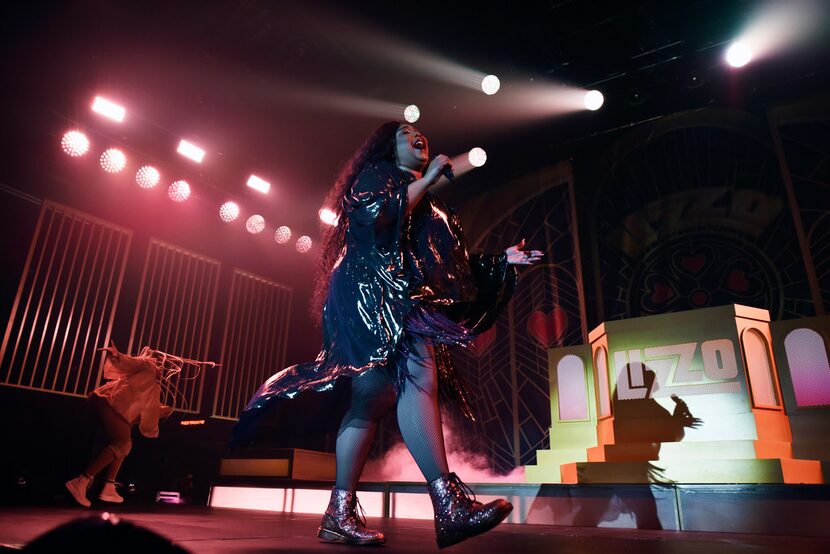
(262, 83)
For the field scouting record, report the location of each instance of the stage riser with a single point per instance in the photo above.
(772, 471)
(763, 509)
(286, 463)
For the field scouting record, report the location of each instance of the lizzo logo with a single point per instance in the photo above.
(666, 370)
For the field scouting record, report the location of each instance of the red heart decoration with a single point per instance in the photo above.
(547, 328)
(693, 263)
(737, 281)
(481, 343)
(662, 293)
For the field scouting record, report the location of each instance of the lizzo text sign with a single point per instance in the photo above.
(676, 371)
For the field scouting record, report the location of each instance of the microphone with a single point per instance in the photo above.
(447, 172)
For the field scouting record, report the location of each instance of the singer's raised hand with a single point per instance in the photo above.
(436, 165)
(517, 256)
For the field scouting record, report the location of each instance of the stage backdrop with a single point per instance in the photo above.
(508, 365)
(693, 211)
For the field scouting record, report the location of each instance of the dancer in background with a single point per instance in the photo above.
(396, 286)
(133, 396)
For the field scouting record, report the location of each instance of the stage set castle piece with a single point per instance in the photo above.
(716, 395)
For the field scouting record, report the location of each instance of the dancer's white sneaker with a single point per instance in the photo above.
(109, 494)
(77, 487)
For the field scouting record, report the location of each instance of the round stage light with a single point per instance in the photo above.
(113, 160)
(179, 191)
(282, 235)
(477, 157)
(490, 84)
(255, 224)
(228, 211)
(147, 177)
(328, 217)
(303, 244)
(75, 143)
(738, 54)
(411, 113)
(593, 100)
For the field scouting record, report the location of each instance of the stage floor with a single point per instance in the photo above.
(214, 531)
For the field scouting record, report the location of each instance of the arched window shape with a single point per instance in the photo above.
(809, 368)
(759, 369)
(601, 375)
(572, 388)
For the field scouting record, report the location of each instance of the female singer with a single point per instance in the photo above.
(395, 287)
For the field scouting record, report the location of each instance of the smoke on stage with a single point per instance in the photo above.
(473, 467)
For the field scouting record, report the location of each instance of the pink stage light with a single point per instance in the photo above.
(179, 191)
(190, 150)
(108, 109)
(113, 160)
(303, 244)
(147, 177)
(328, 217)
(255, 224)
(290, 500)
(75, 143)
(258, 184)
(282, 235)
(228, 211)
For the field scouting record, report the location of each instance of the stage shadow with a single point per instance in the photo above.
(641, 426)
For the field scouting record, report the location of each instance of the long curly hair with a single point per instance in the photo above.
(379, 146)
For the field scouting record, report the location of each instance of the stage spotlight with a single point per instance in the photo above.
(303, 244)
(255, 224)
(228, 211)
(108, 109)
(738, 54)
(490, 84)
(411, 113)
(75, 143)
(477, 157)
(282, 235)
(113, 160)
(147, 177)
(328, 217)
(179, 191)
(258, 184)
(593, 100)
(190, 150)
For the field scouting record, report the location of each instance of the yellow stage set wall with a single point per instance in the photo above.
(689, 397)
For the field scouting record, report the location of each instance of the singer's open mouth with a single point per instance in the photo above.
(419, 144)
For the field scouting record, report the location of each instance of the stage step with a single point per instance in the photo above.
(699, 450)
(573, 435)
(546, 469)
(561, 456)
(723, 427)
(693, 471)
(285, 463)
